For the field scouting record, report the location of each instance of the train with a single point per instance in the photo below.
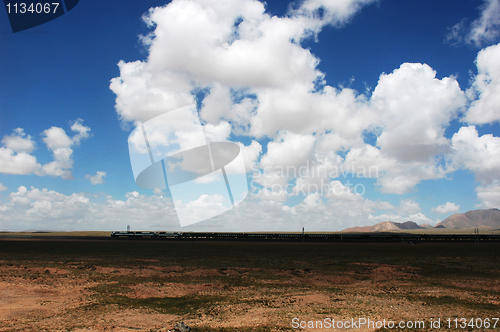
(310, 237)
(147, 234)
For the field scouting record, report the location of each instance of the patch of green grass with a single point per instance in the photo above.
(114, 294)
(184, 305)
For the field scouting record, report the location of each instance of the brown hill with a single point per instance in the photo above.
(358, 229)
(384, 226)
(475, 218)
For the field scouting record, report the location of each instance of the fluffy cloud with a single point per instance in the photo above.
(217, 44)
(59, 143)
(227, 47)
(204, 39)
(409, 109)
(82, 132)
(98, 178)
(221, 103)
(17, 142)
(288, 149)
(335, 12)
(217, 133)
(47, 209)
(408, 207)
(487, 27)
(299, 109)
(486, 87)
(55, 138)
(489, 195)
(446, 208)
(17, 163)
(250, 154)
(478, 154)
(415, 109)
(419, 218)
(2, 187)
(199, 209)
(141, 95)
(285, 155)
(15, 157)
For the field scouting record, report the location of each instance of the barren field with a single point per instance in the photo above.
(96, 285)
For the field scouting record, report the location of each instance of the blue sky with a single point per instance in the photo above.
(388, 84)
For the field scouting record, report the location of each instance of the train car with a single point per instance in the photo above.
(137, 234)
(169, 235)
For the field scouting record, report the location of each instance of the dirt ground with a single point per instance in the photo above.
(146, 296)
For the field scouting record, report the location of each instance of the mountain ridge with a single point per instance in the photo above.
(473, 218)
(481, 218)
(385, 226)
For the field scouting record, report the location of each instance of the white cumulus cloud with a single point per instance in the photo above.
(48, 209)
(415, 109)
(447, 208)
(19, 142)
(288, 149)
(98, 178)
(408, 207)
(59, 143)
(16, 157)
(489, 195)
(478, 154)
(17, 163)
(483, 30)
(486, 28)
(485, 90)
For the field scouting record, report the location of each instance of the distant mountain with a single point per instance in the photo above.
(475, 218)
(407, 225)
(385, 226)
(485, 218)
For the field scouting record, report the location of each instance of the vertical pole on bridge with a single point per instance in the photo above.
(302, 234)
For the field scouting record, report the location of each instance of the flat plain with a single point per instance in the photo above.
(150, 285)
